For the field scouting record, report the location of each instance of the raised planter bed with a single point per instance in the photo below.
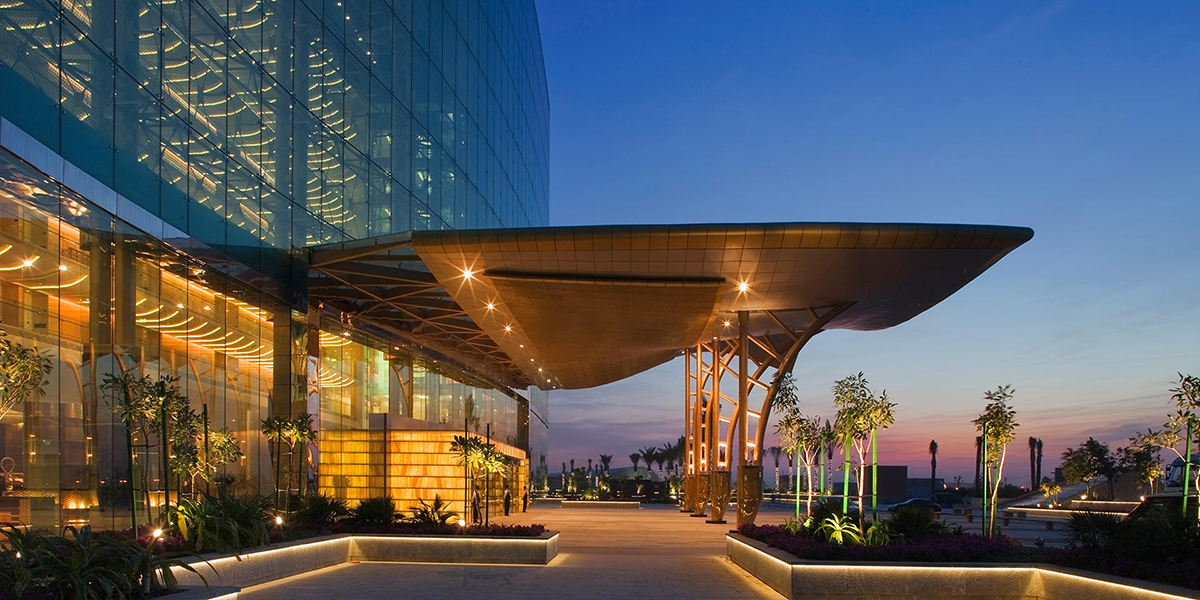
(202, 593)
(278, 561)
(626, 504)
(812, 580)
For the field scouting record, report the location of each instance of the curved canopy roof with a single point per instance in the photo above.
(577, 307)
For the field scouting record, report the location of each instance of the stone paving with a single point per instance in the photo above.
(654, 552)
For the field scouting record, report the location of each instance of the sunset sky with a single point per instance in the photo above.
(1079, 120)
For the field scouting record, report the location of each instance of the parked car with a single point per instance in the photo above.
(946, 499)
(916, 503)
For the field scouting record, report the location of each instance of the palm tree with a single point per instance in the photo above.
(272, 428)
(933, 448)
(605, 459)
(1033, 482)
(634, 458)
(1039, 460)
(668, 454)
(776, 451)
(649, 453)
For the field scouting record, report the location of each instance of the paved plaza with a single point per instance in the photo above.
(653, 552)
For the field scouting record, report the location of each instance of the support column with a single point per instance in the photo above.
(718, 486)
(701, 441)
(749, 471)
(689, 471)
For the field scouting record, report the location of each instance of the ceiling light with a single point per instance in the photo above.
(508, 327)
(743, 286)
(727, 323)
(468, 273)
(539, 369)
(490, 306)
(521, 345)
(531, 360)
(62, 267)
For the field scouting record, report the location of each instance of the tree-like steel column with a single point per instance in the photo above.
(749, 473)
(748, 451)
(718, 478)
(700, 441)
(689, 433)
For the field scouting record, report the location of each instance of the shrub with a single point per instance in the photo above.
(319, 509)
(84, 566)
(912, 522)
(879, 533)
(224, 523)
(825, 508)
(435, 513)
(380, 510)
(792, 526)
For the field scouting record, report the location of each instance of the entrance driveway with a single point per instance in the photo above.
(654, 552)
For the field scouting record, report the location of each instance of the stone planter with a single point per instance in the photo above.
(278, 561)
(203, 593)
(796, 578)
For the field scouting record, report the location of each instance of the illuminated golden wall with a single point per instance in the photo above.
(408, 465)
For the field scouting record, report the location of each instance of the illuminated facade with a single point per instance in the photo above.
(164, 165)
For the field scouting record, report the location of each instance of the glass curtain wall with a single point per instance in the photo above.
(98, 297)
(256, 125)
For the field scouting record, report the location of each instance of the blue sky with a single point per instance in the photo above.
(1080, 120)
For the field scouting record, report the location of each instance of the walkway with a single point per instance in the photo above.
(655, 552)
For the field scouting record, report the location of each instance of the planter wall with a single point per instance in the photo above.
(627, 504)
(509, 551)
(810, 580)
(294, 558)
(202, 593)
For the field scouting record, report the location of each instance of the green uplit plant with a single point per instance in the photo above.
(997, 424)
(792, 526)
(879, 533)
(839, 530)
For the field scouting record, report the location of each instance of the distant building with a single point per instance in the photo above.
(918, 487)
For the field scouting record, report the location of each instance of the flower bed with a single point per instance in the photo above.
(973, 548)
(948, 547)
(797, 578)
